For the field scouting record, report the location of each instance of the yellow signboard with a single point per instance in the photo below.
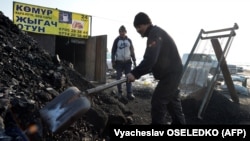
(45, 20)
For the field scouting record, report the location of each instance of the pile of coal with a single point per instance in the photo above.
(30, 78)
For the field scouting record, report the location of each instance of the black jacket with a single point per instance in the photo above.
(161, 56)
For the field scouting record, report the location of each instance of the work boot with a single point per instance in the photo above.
(130, 96)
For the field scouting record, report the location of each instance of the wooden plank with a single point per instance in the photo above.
(101, 49)
(90, 59)
(95, 65)
(225, 70)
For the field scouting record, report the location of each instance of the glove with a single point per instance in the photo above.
(130, 77)
(113, 65)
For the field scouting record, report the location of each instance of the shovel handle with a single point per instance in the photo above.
(105, 86)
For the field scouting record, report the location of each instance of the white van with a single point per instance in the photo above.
(208, 61)
(200, 60)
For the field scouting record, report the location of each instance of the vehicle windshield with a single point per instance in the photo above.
(213, 57)
(203, 58)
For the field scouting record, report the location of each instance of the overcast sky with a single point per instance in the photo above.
(182, 19)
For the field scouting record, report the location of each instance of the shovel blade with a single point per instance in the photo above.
(65, 109)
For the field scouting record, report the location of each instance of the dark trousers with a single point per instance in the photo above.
(166, 99)
(123, 67)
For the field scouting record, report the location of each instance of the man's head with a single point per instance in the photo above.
(122, 31)
(141, 23)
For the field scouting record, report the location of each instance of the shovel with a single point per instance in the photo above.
(70, 105)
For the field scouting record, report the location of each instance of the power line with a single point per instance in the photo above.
(109, 19)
